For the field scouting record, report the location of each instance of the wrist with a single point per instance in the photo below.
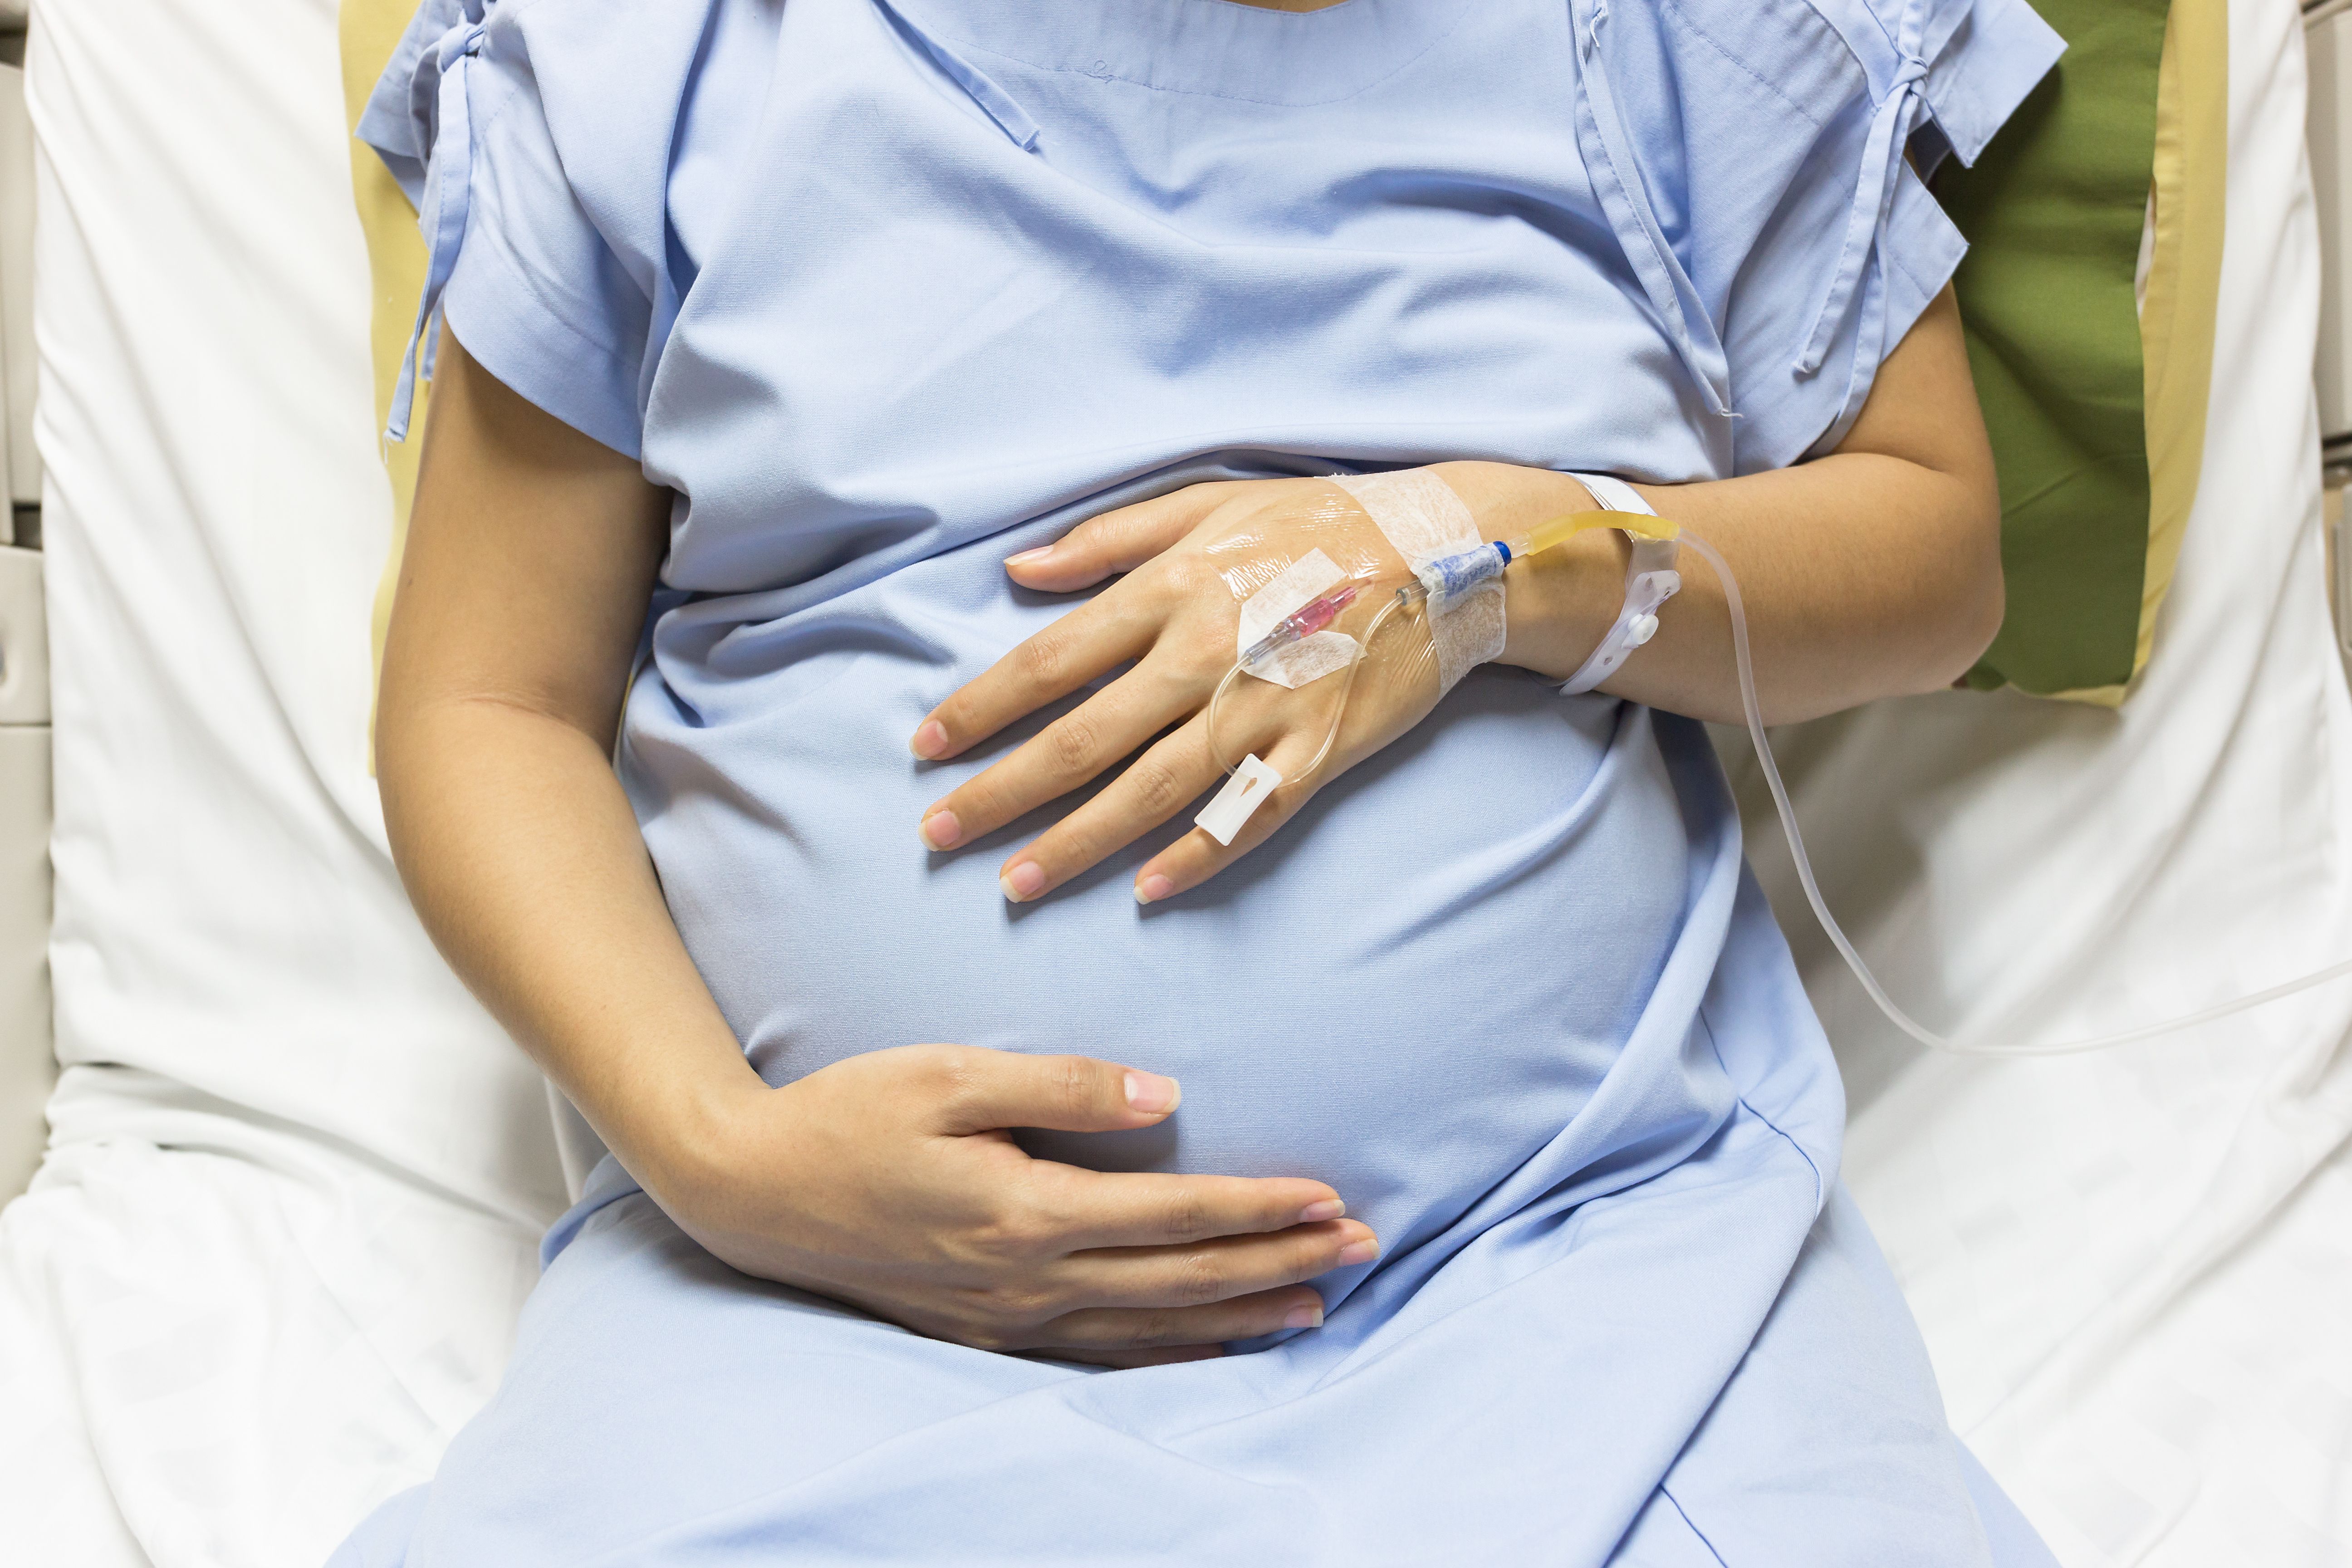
(680, 1140)
(1557, 605)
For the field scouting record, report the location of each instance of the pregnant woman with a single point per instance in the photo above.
(857, 426)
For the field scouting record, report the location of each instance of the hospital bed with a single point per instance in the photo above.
(293, 1177)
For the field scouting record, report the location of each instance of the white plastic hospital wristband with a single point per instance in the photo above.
(1650, 581)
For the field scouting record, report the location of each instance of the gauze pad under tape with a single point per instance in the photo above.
(1302, 581)
(1423, 520)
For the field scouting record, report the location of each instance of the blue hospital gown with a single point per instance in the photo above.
(887, 290)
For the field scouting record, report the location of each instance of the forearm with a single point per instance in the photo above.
(531, 557)
(1874, 572)
(522, 857)
(884, 1180)
(1841, 607)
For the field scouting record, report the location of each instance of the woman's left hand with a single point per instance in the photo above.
(1191, 559)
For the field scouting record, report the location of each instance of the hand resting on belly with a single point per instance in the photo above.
(887, 1180)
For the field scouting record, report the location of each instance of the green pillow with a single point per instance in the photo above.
(2097, 406)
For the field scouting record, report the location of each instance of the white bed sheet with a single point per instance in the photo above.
(273, 1261)
(2134, 1269)
(297, 1176)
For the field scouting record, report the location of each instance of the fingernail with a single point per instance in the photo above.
(1149, 1091)
(940, 830)
(930, 739)
(1028, 557)
(1303, 1317)
(1153, 889)
(1315, 1214)
(1362, 1251)
(1026, 880)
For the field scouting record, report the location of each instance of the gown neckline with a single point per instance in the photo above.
(1215, 48)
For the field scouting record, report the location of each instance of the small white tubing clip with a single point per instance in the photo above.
(1247, 790)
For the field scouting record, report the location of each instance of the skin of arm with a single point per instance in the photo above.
(1873, 572)
(886, 1180)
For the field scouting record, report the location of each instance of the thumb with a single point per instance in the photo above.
(1068, 1094)
(1118, 540)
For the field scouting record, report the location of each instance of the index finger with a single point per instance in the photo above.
(1051, 664)
(1117, 541)
(1087, 1209)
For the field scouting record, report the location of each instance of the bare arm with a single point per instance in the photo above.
(1874, 572)
(884, 1179)
(530, 562)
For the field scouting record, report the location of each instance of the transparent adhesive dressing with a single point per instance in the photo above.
(1437, 580)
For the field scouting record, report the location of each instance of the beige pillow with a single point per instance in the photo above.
(370, 30)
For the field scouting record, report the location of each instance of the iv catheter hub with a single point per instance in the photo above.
(1435, 583)
(1448, 575)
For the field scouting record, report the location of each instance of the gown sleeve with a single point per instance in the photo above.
(1781, 146)
(540, 184)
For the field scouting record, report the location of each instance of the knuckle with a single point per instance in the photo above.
(983, 800)
(1079, 841)
(1072, 743)
(986, 1337)
(1072, 1084)
(1124, 531)
(1190, 749)
(1018, 1230)
(1152, 1328)
(1189, 576)
(1208, 651)
(1187, 1216)
(1156, 788)
(1041, 658)
(955, 1075)
(1008, 1312)
(1201, 1279)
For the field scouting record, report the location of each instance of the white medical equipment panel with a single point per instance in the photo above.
(2327, 42)
(27, 1062)
(19, 463)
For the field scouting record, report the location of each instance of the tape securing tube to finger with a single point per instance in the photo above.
(1250, 787)
(1424, 520)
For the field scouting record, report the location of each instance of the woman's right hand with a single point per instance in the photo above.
(886, 1180)
(890, 1180)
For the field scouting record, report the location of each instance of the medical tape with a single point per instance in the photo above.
(1293, 665)
(1299, 583)
(1252, 784)
(1424, 521)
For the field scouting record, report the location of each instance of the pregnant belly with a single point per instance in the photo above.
(1406, 993)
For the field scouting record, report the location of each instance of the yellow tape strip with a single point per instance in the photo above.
(369, 29)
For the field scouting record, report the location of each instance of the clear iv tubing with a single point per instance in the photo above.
(1339, 707)
(1480, 563)
(1902, 1020)
(1754, 711)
